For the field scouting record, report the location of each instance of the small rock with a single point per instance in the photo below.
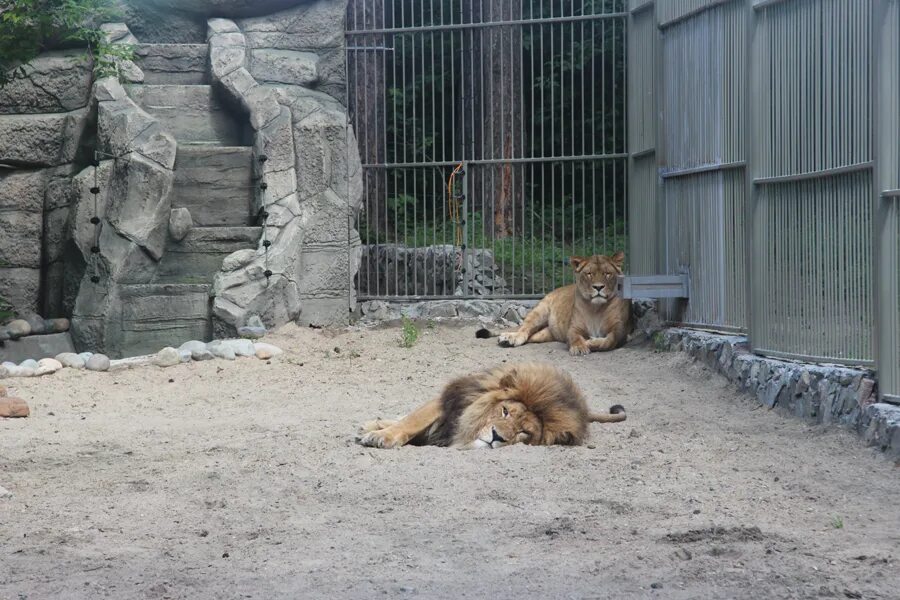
(202, 355)
(656, 586)
(20, 371)
(70, 360)
(219, 350)
(240, 347)
(48, 366)
(198, 350)
(167, 357)
(57, 325)
(266, 351)
(13, 408)
(5, 493)
(4, 334)
(180, 223)
(37, 324)
(29, 363)
(18, 328)
(97, 362)
(634, 433)
(236, 260)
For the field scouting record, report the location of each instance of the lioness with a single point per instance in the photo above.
(528, 403)
(588, 315)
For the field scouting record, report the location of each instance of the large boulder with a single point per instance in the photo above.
(41, 140)
(54, 82)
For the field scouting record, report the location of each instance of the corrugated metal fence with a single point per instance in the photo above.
(765, 163)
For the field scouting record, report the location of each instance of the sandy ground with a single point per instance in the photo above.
(241, 479)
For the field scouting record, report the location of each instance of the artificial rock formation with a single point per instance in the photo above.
(226, 184)
(313, 186)
(43, 131)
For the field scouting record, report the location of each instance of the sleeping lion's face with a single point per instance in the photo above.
(597, 276)
(507, 422)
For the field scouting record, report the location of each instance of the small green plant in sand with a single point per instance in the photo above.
(659, 342)
(409, 334)
(837, 522)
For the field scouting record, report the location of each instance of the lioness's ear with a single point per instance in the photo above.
(577, 262)
(618, 259)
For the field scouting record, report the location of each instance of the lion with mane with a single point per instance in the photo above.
(531, 403)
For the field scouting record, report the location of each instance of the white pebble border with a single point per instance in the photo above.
(230, 349)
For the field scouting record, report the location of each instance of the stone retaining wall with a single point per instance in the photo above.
(826, 394)
(397, 270)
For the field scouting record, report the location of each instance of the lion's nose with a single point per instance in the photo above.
(496, 437)
(599, 287)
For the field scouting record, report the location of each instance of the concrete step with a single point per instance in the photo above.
(215, 184)
(198, 257)
(191, 113)
(184, 64)
(158, 315)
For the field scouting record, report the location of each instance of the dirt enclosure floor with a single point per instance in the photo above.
(241, 480)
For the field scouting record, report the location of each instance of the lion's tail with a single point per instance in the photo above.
(485, 333)
(616, 415)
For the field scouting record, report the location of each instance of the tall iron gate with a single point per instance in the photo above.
(768, 154)
(492, 135)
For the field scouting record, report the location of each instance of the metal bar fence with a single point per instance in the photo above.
(812, 211)
(778, 157)
(645, 241)
(886, 221)
(529, 95)
(702, 166)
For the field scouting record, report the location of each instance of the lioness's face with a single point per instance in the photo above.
(509, 422)
(597, 276)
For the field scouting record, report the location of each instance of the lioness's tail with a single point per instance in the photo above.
(485, 333)
(616, 415)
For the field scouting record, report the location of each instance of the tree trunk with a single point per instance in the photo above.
(366, 66)
(497, 95)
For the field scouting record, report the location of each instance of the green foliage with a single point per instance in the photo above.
(837, 522)
(409, 333)
(29, 27)
(108, 57)
(659, 342)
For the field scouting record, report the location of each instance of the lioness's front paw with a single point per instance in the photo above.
(579, 348)
(513, 339)
(382, 439)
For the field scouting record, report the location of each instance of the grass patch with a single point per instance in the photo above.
(837, 522)
(409, 333)
(659, 342)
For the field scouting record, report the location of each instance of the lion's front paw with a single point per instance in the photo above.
(383, 438)
(579, 348)
(513, 339)
(376, 425)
